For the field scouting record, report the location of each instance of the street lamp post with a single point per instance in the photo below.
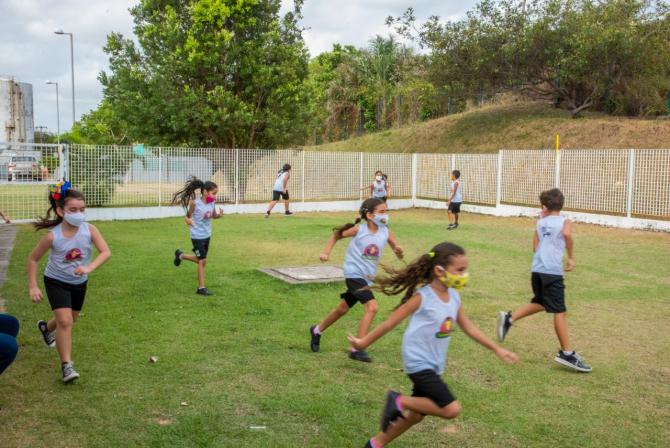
(61, 32)
(57, 113)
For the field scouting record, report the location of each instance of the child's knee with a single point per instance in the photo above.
(202, 262)
(452, 410)
(64, 321)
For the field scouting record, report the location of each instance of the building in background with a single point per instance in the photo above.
(16, 111)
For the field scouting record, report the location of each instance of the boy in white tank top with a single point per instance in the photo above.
(553, 235)
(455, 199)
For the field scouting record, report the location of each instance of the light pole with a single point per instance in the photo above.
(57, 113)
(61, 32)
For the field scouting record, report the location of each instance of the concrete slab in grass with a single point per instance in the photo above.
(307, 274)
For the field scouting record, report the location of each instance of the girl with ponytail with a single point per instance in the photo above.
(360, 267)
(435, 309)
(199, 200)
(66, 276)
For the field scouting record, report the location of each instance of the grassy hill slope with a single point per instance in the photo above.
(520, 125)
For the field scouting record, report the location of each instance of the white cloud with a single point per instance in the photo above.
(32, 53)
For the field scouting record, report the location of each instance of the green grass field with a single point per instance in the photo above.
(241, 358)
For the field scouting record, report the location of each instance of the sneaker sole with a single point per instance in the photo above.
(387, 406)
(572, 366)
(69, 379)
(500, 324)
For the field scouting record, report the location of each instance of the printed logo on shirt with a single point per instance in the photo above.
(371, 252)
(545, 231)
(74, 254)
(207, 215)
(446, 328)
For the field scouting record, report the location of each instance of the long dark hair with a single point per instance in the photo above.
(368, 206)
(420, 271)
(184, 196)
(48, 221)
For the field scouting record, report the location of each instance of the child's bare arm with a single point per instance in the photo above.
(389, 324)
(536, 240)
(334, 238)
(397, 250)
(478, 335)
(33, 259)
(103, 253)
(569, 245)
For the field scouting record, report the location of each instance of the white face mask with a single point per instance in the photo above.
(378, 178)
(381, 220)
(75, 219)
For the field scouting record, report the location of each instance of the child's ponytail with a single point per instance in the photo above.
(368, 206)
(416, 273)
(184, 196)
(59, 194)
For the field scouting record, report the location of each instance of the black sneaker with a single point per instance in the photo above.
(455, 226)
(316, 339)
(360, 355)
(504, 324)
(288, 213)
(69, 374)
(204, 292)
(574, 361)
(177, 257)
(48, 336)
(391, 411)
(450, 227)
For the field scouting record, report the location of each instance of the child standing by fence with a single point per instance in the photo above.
(66, 275)
(434, 309)
(553, 235)
(199, 214)
(455, 199)
(380, 188)
(360, 266)
(280, 190)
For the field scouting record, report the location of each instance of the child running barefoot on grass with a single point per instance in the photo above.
(199, 214)
(553, 235)
(66, 275)
(360, 267)
(434, 309)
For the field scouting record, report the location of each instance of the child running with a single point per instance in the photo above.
(435, 309)
(280, 190)
(455, 200)
(380, 188)
(360, 267)
(553, 235)
(199, 214)
(66, 275)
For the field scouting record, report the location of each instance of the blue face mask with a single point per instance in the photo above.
(75, 219)
(381, 220)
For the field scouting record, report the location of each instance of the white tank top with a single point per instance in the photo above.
(279, 182)
(379, 189)
(202, 220)
(548, 257)
(364, 252)
(67, 254)
(458, 195)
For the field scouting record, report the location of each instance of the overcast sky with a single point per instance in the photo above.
(31, 52)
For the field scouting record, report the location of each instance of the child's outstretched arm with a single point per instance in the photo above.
(475, 333)
(389, 324)
(42, 247)
(334, 238)
(103, 253)
(397, 250)
(569, 245)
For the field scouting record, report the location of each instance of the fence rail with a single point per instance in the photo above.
(633, 183)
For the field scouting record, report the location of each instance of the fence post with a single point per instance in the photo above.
(415, 158)
(631, 176)
(160, 175)
(303, 174)
(62, 161)
(453, 162)
(237, 176)
(360, 181)
(557, 170)
(499, 179)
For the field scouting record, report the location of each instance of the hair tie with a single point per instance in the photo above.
(59, 190)
(431, 254)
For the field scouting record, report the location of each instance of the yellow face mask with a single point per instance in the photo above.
(455, 281)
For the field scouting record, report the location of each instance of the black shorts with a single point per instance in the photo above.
(549, 291)
(455, 207)
(200, 248)
(429, 384)
(279, 194)
(357, 291)
(65, 295)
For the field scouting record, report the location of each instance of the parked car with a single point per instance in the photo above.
(23, 166)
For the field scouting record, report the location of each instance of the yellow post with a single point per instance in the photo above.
(557, 143)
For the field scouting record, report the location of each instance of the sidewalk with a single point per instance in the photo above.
(7, 236)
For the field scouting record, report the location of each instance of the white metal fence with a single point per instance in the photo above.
(633, 183)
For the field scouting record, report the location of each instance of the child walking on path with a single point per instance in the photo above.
(553, 235)
(199, 214)
(280, 190)
(455, 199)
(66, 276)
(434, 309)
(360, 266)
